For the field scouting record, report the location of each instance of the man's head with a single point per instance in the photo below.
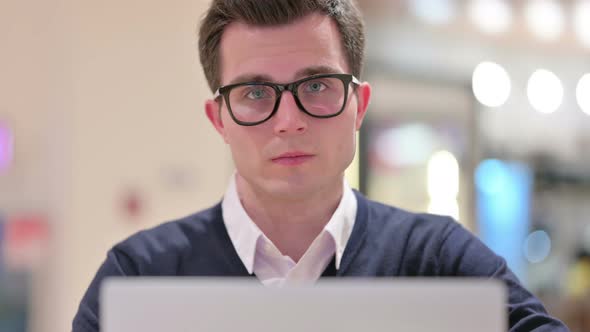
(296, 151)
(273, 13)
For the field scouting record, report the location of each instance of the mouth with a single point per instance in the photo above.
(292, 158)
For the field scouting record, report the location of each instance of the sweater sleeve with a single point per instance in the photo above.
(117, 263)
(463, 254)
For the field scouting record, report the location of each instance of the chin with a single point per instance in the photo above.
(296, 187)
(288, 188)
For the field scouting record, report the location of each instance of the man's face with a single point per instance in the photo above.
(292, 155)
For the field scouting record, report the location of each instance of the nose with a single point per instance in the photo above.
(289, 119)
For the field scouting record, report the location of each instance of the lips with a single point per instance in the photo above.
(292, 158)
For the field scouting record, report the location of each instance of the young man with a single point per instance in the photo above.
(288, 102)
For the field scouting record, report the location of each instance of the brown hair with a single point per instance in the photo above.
(277, 12)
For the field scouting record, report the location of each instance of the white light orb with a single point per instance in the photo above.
(581, 21)
(583, 93)
(537, 246)
(443, 176)
(544, 91)
(545, 19)
(491, 84)
(491, 16)
(444, 207)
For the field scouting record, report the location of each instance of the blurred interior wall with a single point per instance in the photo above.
(106, 99)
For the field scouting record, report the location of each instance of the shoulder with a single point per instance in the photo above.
(166, 245)
(388, 219)
(404, 243)
(177, 232)
(161, 250)
(430, 244)
(414, 243)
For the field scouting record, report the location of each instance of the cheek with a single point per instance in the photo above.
(349, 129)
(236, 139)
(245, 146)
(342, 141)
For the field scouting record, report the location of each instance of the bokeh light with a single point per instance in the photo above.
(406, 146)
(6, 147)
(443, 184)
(491, 177)
(583, 93)
(545, 91)
(491, 16)
(545, 19)
(581, 17)
(491, 84)
(443, 175)
(434, 11)
(537, 246)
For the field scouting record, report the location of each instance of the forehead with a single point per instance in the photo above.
(281, 53)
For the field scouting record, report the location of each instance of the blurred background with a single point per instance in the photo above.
(481, 110)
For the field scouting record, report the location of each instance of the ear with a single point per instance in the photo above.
(363, 92)
(213, 111)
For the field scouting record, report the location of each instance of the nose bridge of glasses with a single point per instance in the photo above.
(283, 88)
(294, 102)
(291, 87)
(287, 87)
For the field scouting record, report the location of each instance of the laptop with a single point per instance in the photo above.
(159, 304)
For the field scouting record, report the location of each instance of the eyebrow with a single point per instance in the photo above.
(314, 70)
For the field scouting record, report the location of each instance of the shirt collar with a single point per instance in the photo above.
(342, 221)
(244, 233)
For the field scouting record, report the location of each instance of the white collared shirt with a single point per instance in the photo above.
(261, 257)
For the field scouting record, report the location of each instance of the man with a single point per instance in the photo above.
(288, 102)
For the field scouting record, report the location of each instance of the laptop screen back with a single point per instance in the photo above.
(215, 305)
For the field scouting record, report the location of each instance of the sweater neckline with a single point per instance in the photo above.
(353, 246)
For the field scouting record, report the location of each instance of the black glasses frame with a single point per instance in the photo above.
(291, 87)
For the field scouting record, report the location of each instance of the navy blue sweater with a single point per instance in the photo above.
(385, 242)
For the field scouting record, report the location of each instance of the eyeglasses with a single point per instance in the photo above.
(320, 96)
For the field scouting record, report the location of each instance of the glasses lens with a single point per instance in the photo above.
(322, 96)
(252, 102)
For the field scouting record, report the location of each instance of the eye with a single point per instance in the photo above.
(315, 86)
(258, 93)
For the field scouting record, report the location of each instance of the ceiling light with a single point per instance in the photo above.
(434, 11)
(491, 16)
(545, 91)
(583, 93)
(545, 18)
(491, 84)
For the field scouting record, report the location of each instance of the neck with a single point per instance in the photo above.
(291, 223)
